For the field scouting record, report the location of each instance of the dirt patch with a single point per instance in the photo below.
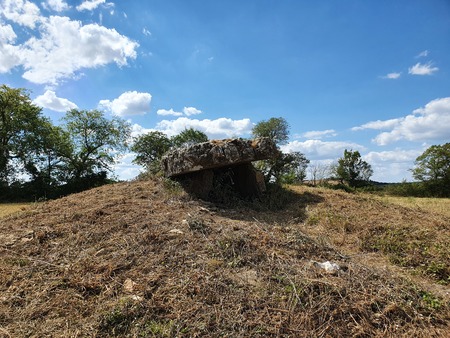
(145, 259)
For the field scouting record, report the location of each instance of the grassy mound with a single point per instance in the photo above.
(143, 259)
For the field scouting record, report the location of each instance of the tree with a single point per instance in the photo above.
(290, 167)
(149, 149)
(37, 156)
(20, 123)
(318, 172)
(188, 137)
(433, 169)
(298, 165)
(286, 168)
(293, 168)
(95, 142)
(276, 128)
(352, 169)
(45, 163)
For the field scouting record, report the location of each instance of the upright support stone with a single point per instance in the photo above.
(248, 180)
(199, 183)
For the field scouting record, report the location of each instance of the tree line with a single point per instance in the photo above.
(41, 160)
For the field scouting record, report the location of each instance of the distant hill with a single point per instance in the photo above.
(144, 259)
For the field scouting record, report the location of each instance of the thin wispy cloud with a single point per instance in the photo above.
(422, 69)
(379, 125)
(187, 111)
(146, 32)
(318, 134)
(392, 76)
(423, 54)
(168, 112)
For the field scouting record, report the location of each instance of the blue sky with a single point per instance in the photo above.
(372, 76)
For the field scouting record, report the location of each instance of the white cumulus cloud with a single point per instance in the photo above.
(188, 111)
(49, 100)
(429, 123)
(8, 59)
(397, 155)
(22, 12)
(125, 169)
(128, 104)
(137, 130)
(62, 48)
(317, 149)
(422, 69)
(7, 34)
(214, 129)
(392, 165)
(89, 5)
(56, 5)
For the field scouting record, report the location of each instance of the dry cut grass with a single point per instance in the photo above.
(144, 259)
(409, 237)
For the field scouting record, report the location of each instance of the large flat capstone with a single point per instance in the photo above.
(217, 154)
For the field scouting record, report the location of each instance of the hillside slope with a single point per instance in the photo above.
(144, 259)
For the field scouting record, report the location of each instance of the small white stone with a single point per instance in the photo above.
(328, 267)
(128, 285)
(176, 231)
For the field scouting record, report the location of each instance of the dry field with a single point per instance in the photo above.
(10, 208)
(436, 205)
(144, 259)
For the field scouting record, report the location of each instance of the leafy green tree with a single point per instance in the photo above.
(20, 123)
(285, 168)
(188, 137)
(95, 142)
(149, 149)
(45, 163)
(276, 128)
(433, 169)
(352, 169)
(296, 168)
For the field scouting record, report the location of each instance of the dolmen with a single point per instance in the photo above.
(200, 167)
